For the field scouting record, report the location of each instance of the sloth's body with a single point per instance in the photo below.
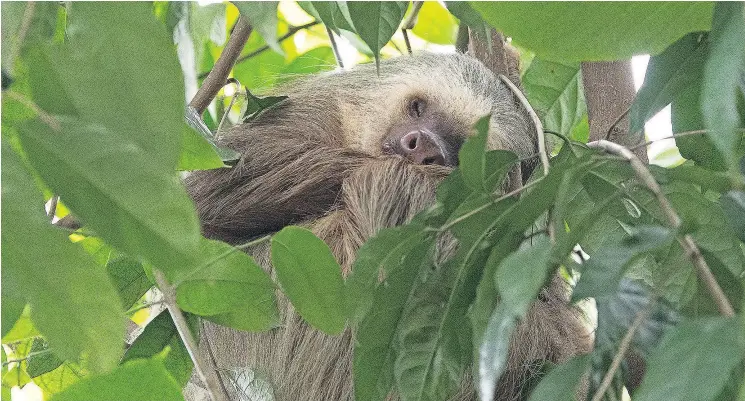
(348, 154)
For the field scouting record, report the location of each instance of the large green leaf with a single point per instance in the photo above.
(561, 382)
(333, 14)
(119, 69)
(197, 153)
(702, 353)
(262, 15)
(483, 171)
(310, 277)
(606, 30)
(117, 190)
(229, 287)
(74, 305)
(668, 74)
(519, 279)
(159, 334)
(686, 116)
(733, 205)
(723, 74)
(41, 360)
(136, 380)
(375, 350)
(554, 89)
(129, 278)
(376, 21)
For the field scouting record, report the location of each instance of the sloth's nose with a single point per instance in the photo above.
(420, 148)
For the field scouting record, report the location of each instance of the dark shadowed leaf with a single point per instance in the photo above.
(602, 273)
(470, 17)
(686, 116)
(56, 276)
(668, 73)
(733, 205)
(701, 353)
(257, 105)
(159, 334)
(376, 21)
(137, 380)
(607, 31)
(310, 277)
(561, 382)
(334, 14)
(229, 288)
(43, 360)
(129, 278)
(483, 171)
(554, 89)
(724, 71)
(262, 15)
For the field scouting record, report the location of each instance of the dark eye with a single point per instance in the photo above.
(417, 107)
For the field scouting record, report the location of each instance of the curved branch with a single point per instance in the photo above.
(692, 250)
(217, 77)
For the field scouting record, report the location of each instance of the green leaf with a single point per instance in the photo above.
(59, 379)
(374, 350)
(686, 116)
(554, 89)
(519, 279)
(313, 61)
(23, 328)
(724, 71)
(376, 21)
(333, 14)
(733, 205)
(668, 74)
(607, 31)
(11, 310)
(42, 363)
(701, 352)
(229, 288)
(435, 24)
(117, 190)
(470, 17)
(481, 170)
(40, 28)
(378, 257)
(129, 279)
(74, 305)
(100, 72)
(136, 380)
(257, 105)
(197, 153)
(602, 273)
(310, 277)
(561, 382)
(160, 334)
(262, 15)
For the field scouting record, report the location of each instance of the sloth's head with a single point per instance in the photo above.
(422, 108)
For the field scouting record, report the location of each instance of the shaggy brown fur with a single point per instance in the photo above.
(315, 160)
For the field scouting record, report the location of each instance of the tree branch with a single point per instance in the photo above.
(217, 77)
(622, 348)
(692, 250)
(206, 372)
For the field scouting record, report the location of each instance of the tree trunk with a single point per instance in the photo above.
(609, 90)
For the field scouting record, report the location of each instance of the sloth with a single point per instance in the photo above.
(347, 154)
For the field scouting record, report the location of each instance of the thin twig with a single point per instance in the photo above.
(406, 41)
(410, 21)
(618, 120)
(692, 250)
(28, 356)
(45, 117)
(232, 101)
(482, 207)
(217, 77)
(536, 121)
(291, 31)
(136, 309)
(335, 48)
(206, 372)
(622, 348)
(676, 135)
(28, 16)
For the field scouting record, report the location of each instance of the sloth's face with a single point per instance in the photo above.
(426, 134)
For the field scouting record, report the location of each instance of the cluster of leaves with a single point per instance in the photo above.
(93, 113)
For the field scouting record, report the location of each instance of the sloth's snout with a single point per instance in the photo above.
(420, 147)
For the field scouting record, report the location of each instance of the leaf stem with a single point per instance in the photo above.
(335, 48)
(28, 356)
(692, 250)
(45, 117)
(622, 348)
(207, 372)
